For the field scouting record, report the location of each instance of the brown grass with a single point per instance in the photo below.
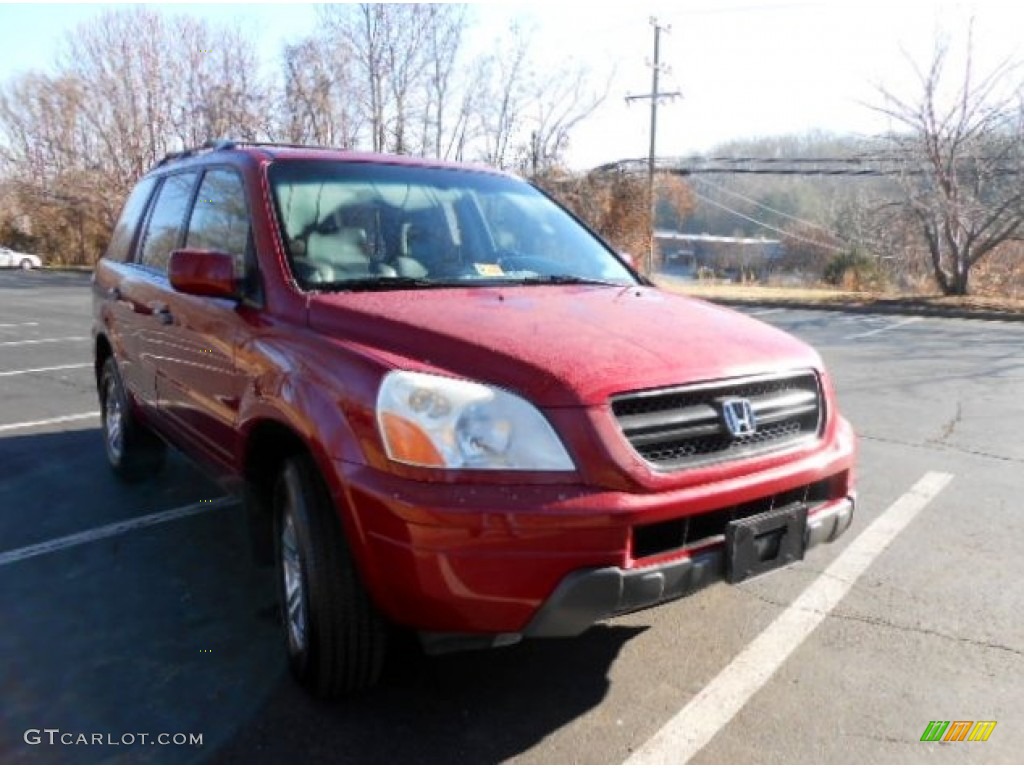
(758, 294)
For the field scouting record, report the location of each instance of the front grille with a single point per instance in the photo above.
(705, 528)
(684, 426)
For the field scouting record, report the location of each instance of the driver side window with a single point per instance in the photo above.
(220, 222)
(220, 219)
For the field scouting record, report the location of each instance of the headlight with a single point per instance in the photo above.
(433, 421)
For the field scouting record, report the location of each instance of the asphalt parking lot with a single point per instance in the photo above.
(118, 620)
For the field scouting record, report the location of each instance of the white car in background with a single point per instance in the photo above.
(10, 258)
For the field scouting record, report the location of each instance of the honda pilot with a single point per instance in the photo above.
(448, 405)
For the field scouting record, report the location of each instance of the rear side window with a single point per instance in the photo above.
(163, 232)
(134, 209)
(220, 219)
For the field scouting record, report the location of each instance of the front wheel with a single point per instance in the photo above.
(133, 452)
(26, 264)
(335, 637)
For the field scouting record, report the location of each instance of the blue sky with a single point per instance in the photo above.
(745, 67)
(30, 34)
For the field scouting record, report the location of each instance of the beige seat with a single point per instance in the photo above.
(425, 253)
(344, 252)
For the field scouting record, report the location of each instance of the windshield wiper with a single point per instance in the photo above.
(383, 283)
(399, 282)
(567, 280)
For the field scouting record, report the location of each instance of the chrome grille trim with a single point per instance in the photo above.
(681, 427)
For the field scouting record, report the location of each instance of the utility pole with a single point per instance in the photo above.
(655, 95)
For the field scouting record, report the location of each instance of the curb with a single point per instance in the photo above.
(963, 314)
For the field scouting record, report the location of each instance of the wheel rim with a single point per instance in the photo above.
(114, 422)
(294, 584)
(26, 264)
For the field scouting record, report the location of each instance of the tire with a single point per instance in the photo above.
(133, 452)
(26, 264)
(335, 637)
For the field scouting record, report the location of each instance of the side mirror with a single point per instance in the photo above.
(203, 273)
(630, 260)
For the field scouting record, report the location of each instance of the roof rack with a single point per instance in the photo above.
(233, 143)
(215, 145)
(210, 146)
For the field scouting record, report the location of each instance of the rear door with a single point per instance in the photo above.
(200, 387)
(144, 288)
(113, 313)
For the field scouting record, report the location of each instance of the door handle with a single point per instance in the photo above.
(162, 312)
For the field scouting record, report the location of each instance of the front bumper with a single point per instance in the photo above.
(471, 565)
(588, 596)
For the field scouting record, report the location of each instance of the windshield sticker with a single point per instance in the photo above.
(489, 270)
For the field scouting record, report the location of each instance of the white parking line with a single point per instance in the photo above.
(47, 422)
(114, 529)
(884, 329)
(46, 370)
(17, 325)
(42, 341)
(690, 730)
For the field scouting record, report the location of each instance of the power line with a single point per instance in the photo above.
(864, 166)
(766, 207)
(733, 211)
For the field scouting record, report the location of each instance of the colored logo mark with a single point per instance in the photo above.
(958, 730)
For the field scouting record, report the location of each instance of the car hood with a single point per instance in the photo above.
(560, 345)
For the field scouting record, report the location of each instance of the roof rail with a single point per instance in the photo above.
(215, 145)
(212, 145)
(281, 144)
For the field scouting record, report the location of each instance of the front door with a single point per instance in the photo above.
(201, 387)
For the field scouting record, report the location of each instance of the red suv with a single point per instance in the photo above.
(449, 406)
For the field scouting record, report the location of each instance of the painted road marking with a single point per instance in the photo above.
(690, 730)
(763, 312)
(46, 422)
(42, 341)
(46, 370)
(901, 323)
(114, 529)
(17, 325)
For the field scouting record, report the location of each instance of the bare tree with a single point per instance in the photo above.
(388, 46)
(130, 86)
(406, 49)
(406, 74)
(503, 76)
(152, 84)
(318, 100)
(526, 115)
(444, 32)
(559, 103)
(960, 157)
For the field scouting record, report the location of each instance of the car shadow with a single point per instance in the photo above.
(472, 707)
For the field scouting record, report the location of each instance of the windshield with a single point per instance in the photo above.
(362, 226)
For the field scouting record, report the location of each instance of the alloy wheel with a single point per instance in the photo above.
(294, 584)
